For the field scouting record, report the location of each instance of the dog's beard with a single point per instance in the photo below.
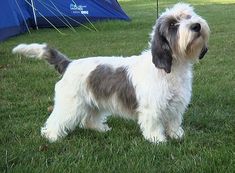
(197, 47)
(192, 45)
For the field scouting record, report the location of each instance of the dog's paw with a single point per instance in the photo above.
(51, 135)
(178, 134)
(155, 138)
(101, 127)
(104, 128)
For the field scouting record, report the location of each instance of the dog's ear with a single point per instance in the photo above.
(161, 51)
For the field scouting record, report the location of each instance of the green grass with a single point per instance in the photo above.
(26, 90)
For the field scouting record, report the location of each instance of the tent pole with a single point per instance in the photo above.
(34, 15)
(157, 9)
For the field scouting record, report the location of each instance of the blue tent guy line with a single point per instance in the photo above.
(17, 16)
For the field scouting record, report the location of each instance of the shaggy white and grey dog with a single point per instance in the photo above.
(153, 88)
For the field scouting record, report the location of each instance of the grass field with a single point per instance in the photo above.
(26, 90)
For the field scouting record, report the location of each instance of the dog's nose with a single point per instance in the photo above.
(196, 27)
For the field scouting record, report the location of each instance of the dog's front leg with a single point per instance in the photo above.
(152, 127)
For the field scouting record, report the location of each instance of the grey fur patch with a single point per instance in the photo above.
(164, 42)
(105, 81)
(57, 59)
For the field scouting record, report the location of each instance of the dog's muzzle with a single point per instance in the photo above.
(203, 52)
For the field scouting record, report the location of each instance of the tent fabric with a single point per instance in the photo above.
(12, 19)
(16, 15)
(80, 10)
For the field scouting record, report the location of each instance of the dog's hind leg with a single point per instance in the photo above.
(65, 115)
(95, 120)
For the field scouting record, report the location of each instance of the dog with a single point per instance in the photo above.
(153, 88)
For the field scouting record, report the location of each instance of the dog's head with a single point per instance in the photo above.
(178, 34)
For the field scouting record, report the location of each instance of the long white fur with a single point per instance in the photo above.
(33, 50)
(162, 97)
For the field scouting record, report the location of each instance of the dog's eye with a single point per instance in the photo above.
(173, 25)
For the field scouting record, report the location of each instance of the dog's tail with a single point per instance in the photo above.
(43, 51)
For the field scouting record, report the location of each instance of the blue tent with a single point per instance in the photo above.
(17, 16)
(12, 20)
